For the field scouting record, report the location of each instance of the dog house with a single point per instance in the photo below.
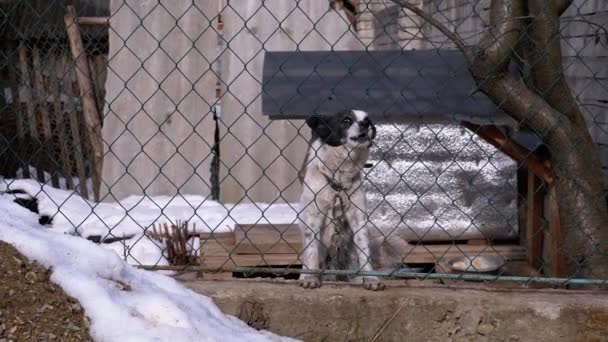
(448, 166)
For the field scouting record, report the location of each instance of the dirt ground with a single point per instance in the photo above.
(32, 308)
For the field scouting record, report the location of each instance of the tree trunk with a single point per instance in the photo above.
(545, 104)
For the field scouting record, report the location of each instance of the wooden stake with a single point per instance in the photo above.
(58, 71)
(89, 105)
(43, 114)
(93, 20)
(558, 260)
(21, 124)
(26, 91)
(534, 221)
(79, 156)
(510, 147)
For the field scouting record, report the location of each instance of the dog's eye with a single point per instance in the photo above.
(347, 121)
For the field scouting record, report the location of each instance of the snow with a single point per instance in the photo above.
(62, 181)
(154, 307)
(132, 216)
(71, 213)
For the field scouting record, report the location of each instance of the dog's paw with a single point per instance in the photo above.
(310, 281)
(370, 283)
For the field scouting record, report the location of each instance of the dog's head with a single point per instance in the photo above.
(352, 128)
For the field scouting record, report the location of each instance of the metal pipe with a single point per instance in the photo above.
(396, 274)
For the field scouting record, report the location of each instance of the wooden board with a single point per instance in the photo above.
(252, 260)
(428, 254)
(534, 220)
(90, 110)
(423, 254)
(512, 148)
(268, 239)
(227, 250)
(558, 266)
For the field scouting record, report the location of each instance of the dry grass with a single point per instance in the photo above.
(175, 237)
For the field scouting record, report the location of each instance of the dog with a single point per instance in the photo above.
(334, 208)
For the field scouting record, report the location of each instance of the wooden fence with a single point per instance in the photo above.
(44, 100)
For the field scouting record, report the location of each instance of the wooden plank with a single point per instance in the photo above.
(387, 84)
(74, 127)
(422, 254)
(58, 72)
(534, 221)
(216, 249)
(510, 147)
(93, 20)
(25, 95)
(558, 260)
(252, 260)
(431, 253)
(477, 242)
(87, 94)
(268, 238)
(100, 75)
(21, 124)
(43, 115)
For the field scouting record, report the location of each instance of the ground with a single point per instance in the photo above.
(32, 308)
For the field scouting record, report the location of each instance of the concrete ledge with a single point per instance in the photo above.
(339, 312)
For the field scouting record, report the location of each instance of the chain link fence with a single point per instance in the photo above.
(483, 157)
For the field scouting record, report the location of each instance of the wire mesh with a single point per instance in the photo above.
(482, 156)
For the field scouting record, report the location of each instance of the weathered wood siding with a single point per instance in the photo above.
(261, 158)
(158, 125)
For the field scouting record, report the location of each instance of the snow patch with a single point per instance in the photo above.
(153, 308)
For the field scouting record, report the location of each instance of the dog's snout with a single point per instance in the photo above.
(364, 123)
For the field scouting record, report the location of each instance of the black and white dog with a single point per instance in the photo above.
(334, 208)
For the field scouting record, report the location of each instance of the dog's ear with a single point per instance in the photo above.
(320, 126)
(373, 129)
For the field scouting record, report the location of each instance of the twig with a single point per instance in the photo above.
(454, 37)
(388, 322)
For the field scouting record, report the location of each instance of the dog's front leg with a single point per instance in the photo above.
(312, 224)
(357, 219)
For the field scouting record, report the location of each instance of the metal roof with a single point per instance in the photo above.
(390, 85)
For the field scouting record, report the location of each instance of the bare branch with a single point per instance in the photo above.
(455, 38)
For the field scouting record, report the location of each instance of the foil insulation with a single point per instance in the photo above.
(440, 182)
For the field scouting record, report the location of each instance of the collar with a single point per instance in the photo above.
(334, 184)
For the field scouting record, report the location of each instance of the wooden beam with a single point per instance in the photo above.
(268, 239)
(70, 90)
(21, 123)
(534, 220)
(93, 20)
(87, 94)
(43, 114)
(25, 96)
(519, 153)
(558, 260)
(58, 72)
(221, 250)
